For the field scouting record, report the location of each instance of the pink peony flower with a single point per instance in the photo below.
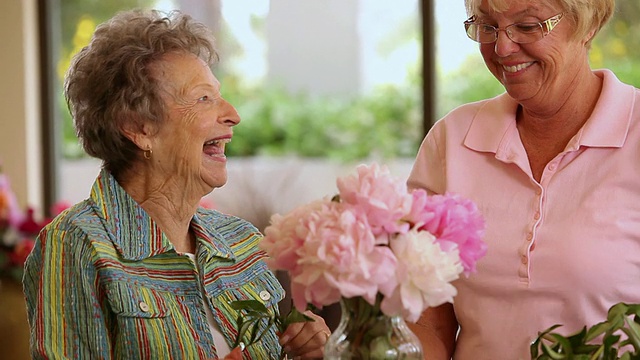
(339, 257)
(383, 198)
(286, 234)
(454, 221)
(424, 275)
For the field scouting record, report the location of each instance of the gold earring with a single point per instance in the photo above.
(147, 153)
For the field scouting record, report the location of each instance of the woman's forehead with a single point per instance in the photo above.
(179, 73)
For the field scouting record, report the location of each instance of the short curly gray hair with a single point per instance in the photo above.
(109, 83)
(585, 15)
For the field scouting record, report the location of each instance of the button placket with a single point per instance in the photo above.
(529, 243)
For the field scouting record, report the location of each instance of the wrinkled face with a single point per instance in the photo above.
(536, 73)
(190, 145)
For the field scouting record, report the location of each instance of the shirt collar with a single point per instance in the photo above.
(135, 234)
(607, 126)
(609, 123)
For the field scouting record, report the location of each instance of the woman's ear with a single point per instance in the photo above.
(138, 132)
(589, 36)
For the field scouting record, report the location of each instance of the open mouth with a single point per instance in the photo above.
(215, 147)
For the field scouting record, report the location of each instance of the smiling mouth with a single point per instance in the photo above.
(215, 148)
(516, 68)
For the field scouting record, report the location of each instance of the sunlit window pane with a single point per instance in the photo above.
(308, 78)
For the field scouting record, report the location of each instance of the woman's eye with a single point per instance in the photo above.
(204, 98)
(486, 28)
(527, 27)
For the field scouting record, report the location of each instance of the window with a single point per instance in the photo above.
(333, 68)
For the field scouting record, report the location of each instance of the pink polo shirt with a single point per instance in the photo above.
(561, 251)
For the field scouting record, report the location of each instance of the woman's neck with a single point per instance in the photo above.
(167, 203)
(545, 134)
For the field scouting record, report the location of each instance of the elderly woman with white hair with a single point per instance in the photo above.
(552, 165)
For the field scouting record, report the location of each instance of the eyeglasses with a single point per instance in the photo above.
(521, 33)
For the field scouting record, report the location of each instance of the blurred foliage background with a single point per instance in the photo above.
(384, 123)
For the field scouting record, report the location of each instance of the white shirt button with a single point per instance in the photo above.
(143, 306)
(264, 295)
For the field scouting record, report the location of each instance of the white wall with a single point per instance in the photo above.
(20, 144)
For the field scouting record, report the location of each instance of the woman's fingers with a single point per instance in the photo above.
(306, 340)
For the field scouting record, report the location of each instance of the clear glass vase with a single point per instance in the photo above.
(365, 332)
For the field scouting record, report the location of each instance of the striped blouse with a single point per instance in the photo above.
(104, 282)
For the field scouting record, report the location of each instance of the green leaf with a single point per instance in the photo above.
(295, 316)
(551, 352)
(616, 312)
(633, 333)
(249, 305)
(254, 321)
(597, 330)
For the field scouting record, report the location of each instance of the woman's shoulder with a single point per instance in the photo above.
(466, 112)
(483, 115)
(229, 226)
(218, 216)
(73, 216)
(79, 226)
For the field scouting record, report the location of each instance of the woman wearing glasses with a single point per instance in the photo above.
(552, 165)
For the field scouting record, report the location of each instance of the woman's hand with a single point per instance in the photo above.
(306, 340)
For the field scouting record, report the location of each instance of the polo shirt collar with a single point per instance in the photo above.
(609, 123)
(493, 127)
(134, 233)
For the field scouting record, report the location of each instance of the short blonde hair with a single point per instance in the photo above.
(585, 15)
(109, 83)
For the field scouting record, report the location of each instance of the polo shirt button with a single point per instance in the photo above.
(552, 166)
(264, 295)
(536, 215)
(529, 236)
(143, 306)
(524, 259)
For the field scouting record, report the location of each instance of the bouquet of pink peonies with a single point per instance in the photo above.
(376, 240)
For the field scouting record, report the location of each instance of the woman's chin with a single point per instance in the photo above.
(213, 181)
(214, 172)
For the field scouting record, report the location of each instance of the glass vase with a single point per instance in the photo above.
(365, 332)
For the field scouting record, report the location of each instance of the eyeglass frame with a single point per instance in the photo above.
(546, 26)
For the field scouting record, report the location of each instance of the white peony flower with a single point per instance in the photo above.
(424, 275)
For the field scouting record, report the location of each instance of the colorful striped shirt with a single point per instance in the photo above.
(105, 282)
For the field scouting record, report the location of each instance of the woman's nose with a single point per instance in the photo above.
(504, 46)
(230, 115)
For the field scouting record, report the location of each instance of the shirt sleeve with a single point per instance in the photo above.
(428, 170)
(62, 293)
